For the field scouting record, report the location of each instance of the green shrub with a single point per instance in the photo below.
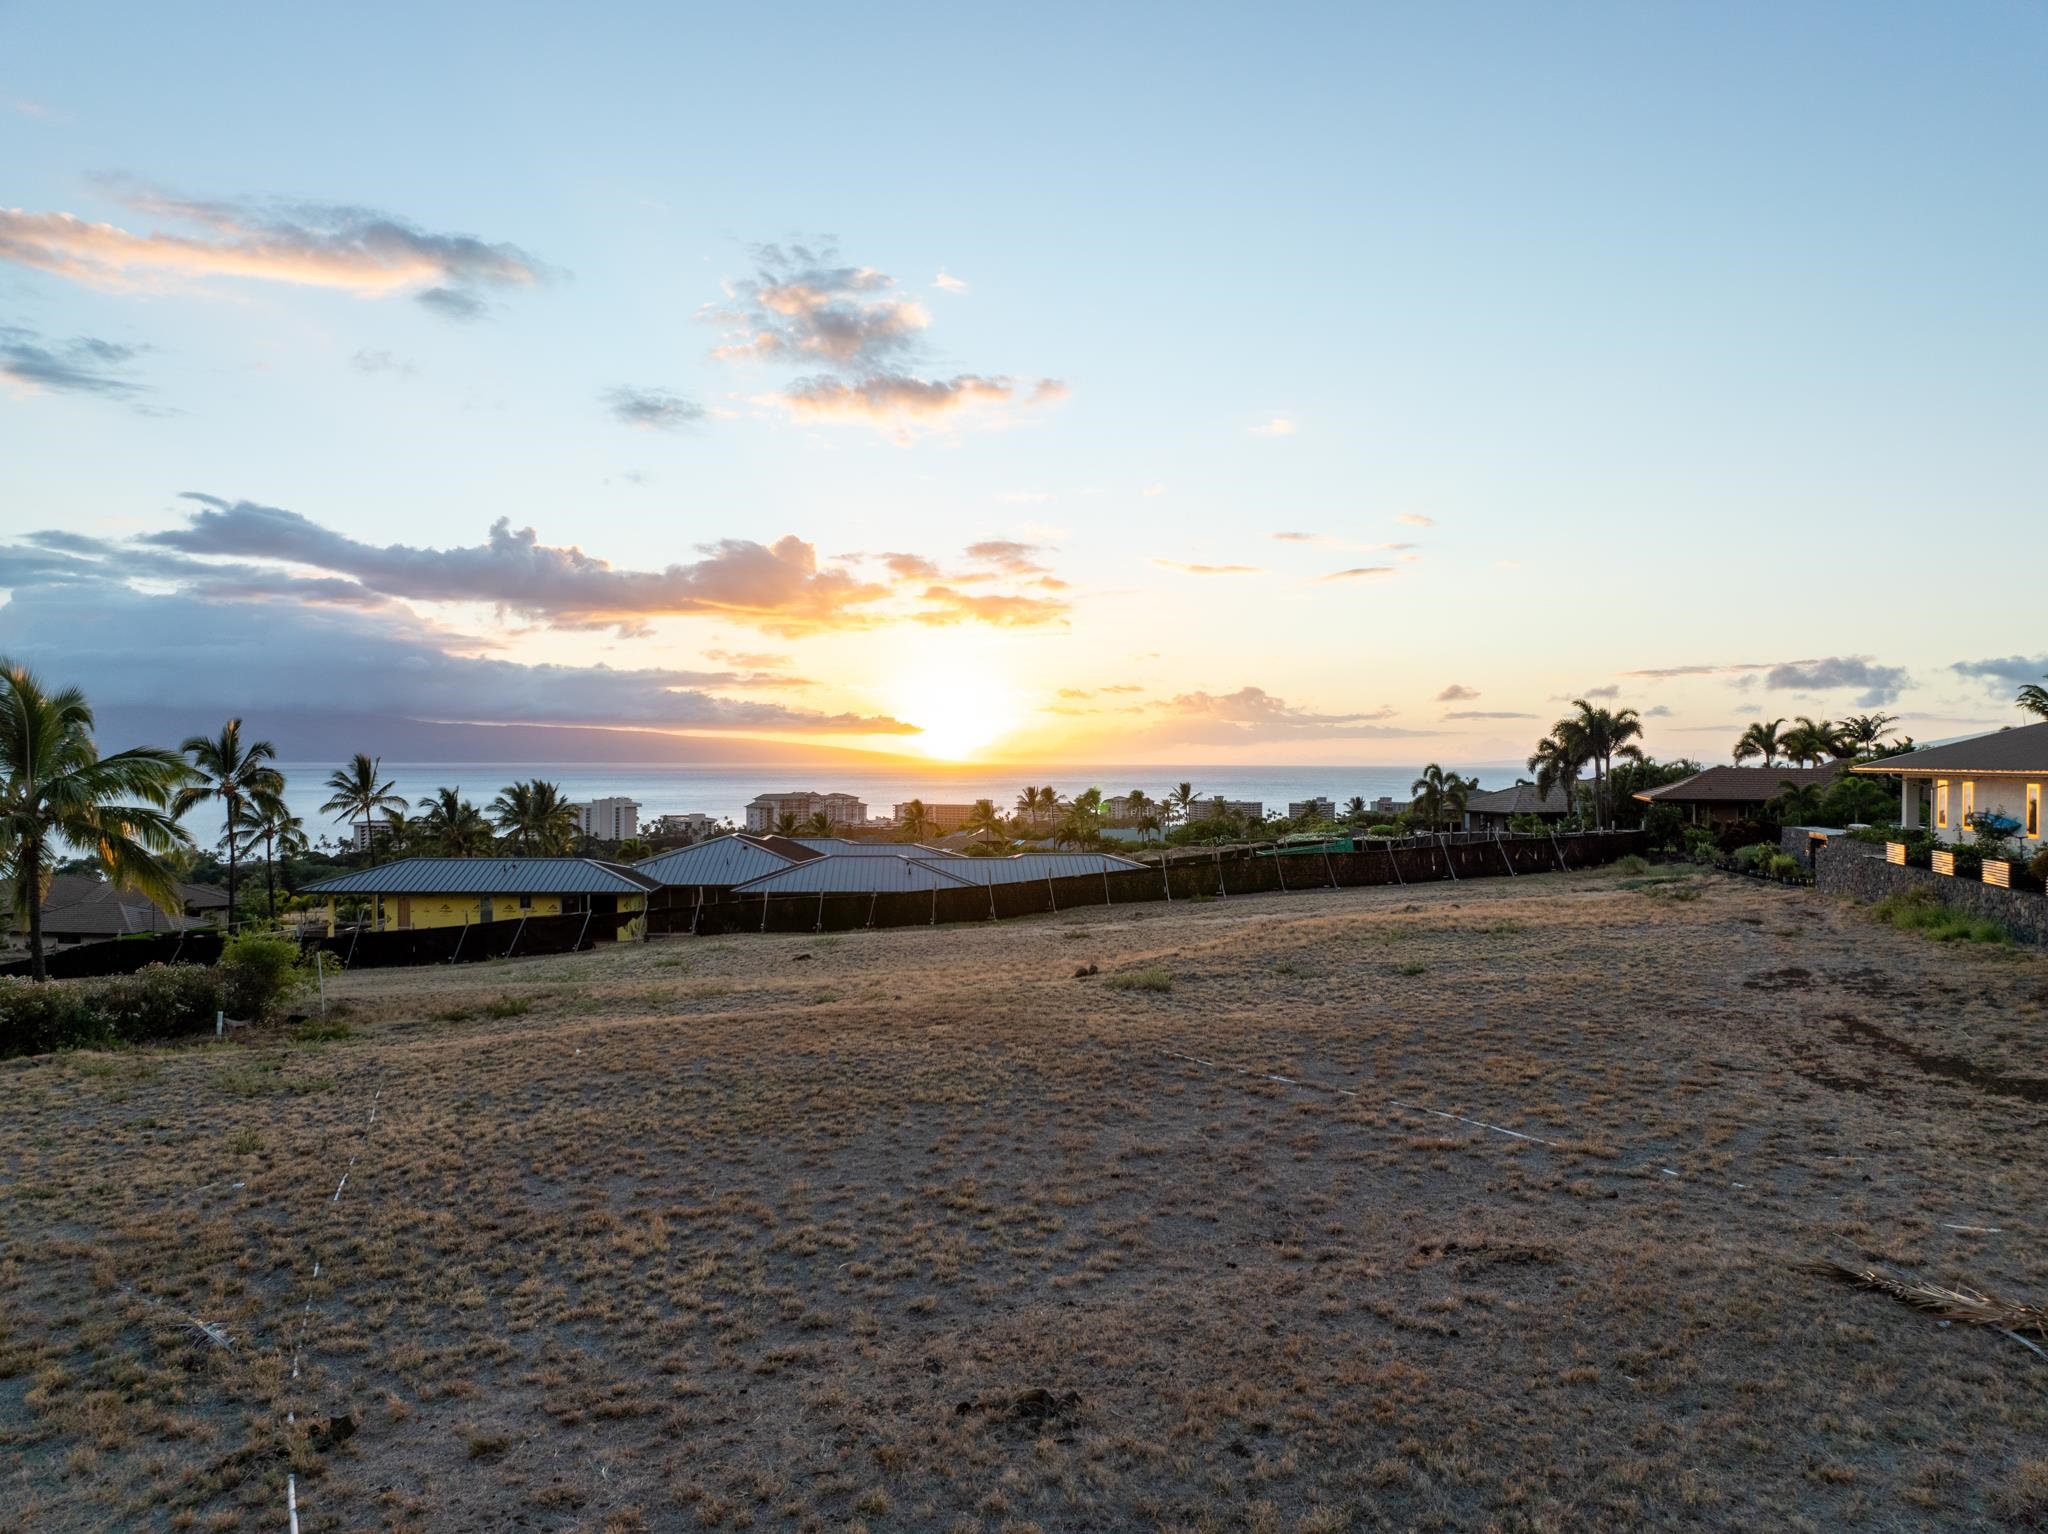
(259, 974)
(1781, 864)
(1632, 864)
(1701, 844)
(1921, 910)
(2038, 865)
(158, 1002)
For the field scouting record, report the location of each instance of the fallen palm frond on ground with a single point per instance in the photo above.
(1965, 1305)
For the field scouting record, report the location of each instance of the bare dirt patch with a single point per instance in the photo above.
(919, 1230)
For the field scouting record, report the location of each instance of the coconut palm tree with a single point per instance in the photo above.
(239, 776)
(1606, 733)
(631, 850)
(2033, 697)
(1430, 792)
(1137, 804)
(455, 827)
(1811, 741)
(917, 821)
(56, 789)
(358, 795)
(1151, 827)
(1862, 732)
(1181, 802)
(986, 819)
(1080, 826)
(786, 823)
(1761, 739)
(1560, 760)
(1037, 806)
(1354, 808)
(817, 825)
(282, 836)
(536, 817)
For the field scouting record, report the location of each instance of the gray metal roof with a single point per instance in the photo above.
(1027, 867)
(1522, 799)
(723, 862)
(857, 876)
(2022, 749)
(488, 876)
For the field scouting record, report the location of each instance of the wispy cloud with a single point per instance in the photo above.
(1480, 713)
(1457, 692)
(1415, 519)
(367, 361)
(33, 364)
(1186, 569)
(357, 250)
(1879, 684)
(1359, 572)
(1278, 426)
(651, 409)
(949, 282)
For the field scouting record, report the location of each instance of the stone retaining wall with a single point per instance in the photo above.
(1858, 869)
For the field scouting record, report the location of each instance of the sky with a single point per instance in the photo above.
(1106, 384)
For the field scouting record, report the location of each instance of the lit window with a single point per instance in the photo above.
(1941, 804)
(1969, 799)
(2034, 811)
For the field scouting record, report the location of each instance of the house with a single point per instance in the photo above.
(415, 893)
(1942, 787)
(1491, 811)
(896, 870)
(1316, 809)
(79, 909)
(1720, 795)
(764, 811)
(608, 820)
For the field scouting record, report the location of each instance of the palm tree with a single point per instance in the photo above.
(359, 796)
(456, 827)
(1036, 806)
(917, 821)
(1354, 808)
(631, 850)
(1151, 825)
(283, 836)
(536, 817)
(1797, 804)
(1760, 739)
(817, 825)
(786, 823)
(1560, 760)
(1181, 801)
(2033, 697)
(55, 788)
(1607, 733)
(1811, 740)
(1079, 826)
(986, 819)
(1137, 804)
(1862, 732)
(1431, 792)
(240, 777)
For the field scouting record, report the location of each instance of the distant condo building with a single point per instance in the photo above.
(694, 823)
(1218, 807)
(608, 820)
(1321, 809)
(942, 818)
(838, 809)
(365, 831)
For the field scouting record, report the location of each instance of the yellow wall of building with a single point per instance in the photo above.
(460, 910)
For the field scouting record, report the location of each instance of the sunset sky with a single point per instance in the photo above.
(1100, 383)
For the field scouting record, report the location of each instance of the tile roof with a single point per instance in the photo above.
(488, 876)
(1740, 785)
(1522, 799)
(114, 918)
(2021, 749)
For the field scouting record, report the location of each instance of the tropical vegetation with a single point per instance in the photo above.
(237, 775)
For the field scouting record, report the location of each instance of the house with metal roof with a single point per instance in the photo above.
(707, 869)
(450, 892)
(889, 873)
(1944, 787)
(1723, 794)
(1030, 867)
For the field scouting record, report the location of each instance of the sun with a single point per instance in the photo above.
(958, 714)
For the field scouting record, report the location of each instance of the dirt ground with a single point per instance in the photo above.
(919, 1230)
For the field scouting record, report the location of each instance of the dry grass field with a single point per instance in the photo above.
(918, 1230)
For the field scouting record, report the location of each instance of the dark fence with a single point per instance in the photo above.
(121, 955)
(1183, 875)
(528, 937)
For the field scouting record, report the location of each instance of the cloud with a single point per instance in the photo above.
(1009, 555)
(651, 409)
(1151, 490)
(1480, 713)
(1251, 715)
(1279, 426)
(1358, 572)
(945, 604)
(911, 567)
(367, 361)
(356, 250)
(778, 587)
(949, 282)
(1457, 692)
(1174, 564)
(34, 364)
(452, 304)
(858, 337)
(1727, 668)
(2011, 670)
(1880, 684)
(1415, 519)
(133, 649)
(752, 660)
(1611, 690)
(1659, 711)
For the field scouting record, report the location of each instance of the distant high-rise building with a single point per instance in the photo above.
(1321, 809)
(942, 818)
(692, 823)
(838, 809)
(608, 820)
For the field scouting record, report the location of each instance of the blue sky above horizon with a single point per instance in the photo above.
(926, 370)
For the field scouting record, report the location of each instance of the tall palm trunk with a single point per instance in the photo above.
(233, 826)
(269, 888)
(32, 870)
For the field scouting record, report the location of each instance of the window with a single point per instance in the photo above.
(2034, 811)
(1969, 799)
(526, 902)
(1941, 804)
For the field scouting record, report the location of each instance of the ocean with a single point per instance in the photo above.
(724, 790)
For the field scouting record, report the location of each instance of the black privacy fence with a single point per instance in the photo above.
(1189, 875)
(527, 937)
(121, 955)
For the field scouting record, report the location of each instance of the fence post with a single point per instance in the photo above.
(873, 900)
(583, 934)
(1051, 895)
(1105, 886)
(459, 941)
(1446, 846)
(1165, 880)
(1222, 888)
(697, 911)
(1503, 846)
(1280, 863)
(220, 1024)
(1328, 867)
(935, 907)
(820, 927)
(517, 933)
(764, 910)
(1558, 850)
(320, 973)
